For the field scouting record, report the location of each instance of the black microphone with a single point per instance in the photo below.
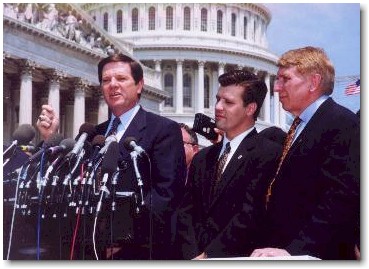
(52, 141)
(97, 143)
(86, 132)
(66, 145)
(130, 143)
(108, 167)
(23, 135)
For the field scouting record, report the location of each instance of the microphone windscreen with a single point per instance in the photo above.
(24, 134)
(87, 128)
(99, 140)
(68, 144)
(110, 161)
(53, 140)
(127, 142)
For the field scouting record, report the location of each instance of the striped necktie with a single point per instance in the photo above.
(219, 168)
(114, 127)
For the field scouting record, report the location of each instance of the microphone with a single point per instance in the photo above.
(23, 135)
(97, 143)
(27, 148)
(108, 167)
(86, 132)
(130, 143)
(65, 146)
(52, 141)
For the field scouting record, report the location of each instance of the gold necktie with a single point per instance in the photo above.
(220, 166)
(287, 145)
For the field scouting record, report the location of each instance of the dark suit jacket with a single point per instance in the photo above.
(225, 224)
(315, 202)
(163, 184)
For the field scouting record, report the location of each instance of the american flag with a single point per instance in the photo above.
(353, 88)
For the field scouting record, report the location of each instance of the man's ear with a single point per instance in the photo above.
(141, 83)
(316, 80)
(251, 108)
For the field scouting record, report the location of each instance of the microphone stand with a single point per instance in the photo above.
(134, 156)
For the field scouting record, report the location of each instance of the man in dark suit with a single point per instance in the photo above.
(227, 192)
(145, 234)
(140, 228)
(314, 202)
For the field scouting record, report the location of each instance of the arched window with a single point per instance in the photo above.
(219, 22)
(233, 29)
(106, 21)
(168, 87)
(119, 21)
(204, 19)
(244, 27)
(187, 19)
(151, 18)
(187, 90)
(135, 20)
(169, 18)
(206, 91)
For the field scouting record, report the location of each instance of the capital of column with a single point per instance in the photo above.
(6, 55)
(27, 67)
(201, 63)
(81, 85)
(55, 75)
(221, 64)
(179, 61)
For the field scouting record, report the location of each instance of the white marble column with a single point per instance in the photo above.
(103, 111)
(55, 77)
(179, 87)
(221, 68)
(79, 116)
(25, 100)
(267, 99)
(158, 69)
(276, 108)
(199, 97)
(215, 87)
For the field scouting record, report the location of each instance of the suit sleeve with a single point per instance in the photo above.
(168, 170)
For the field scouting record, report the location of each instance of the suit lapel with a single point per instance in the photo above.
(311, 127)
(238, 159)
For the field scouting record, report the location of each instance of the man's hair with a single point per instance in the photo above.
(193, 135)
(254, 87)
(311, 60)
(136, 68)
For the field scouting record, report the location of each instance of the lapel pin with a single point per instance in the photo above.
(240, 156)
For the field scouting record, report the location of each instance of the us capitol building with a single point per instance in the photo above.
(51, 51)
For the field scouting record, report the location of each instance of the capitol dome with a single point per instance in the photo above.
(190, 45)
(183, 47)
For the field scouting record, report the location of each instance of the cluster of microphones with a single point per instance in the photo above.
(64, 174)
